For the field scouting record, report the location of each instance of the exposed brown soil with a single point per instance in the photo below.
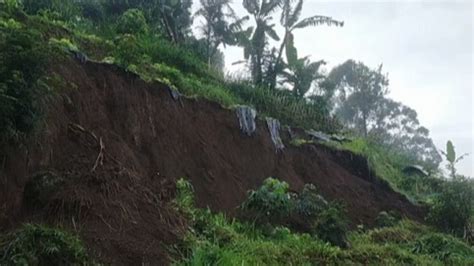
(122, 208)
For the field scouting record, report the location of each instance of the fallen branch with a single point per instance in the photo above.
(100, 157)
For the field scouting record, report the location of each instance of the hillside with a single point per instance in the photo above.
(126, 149)
(150, 140)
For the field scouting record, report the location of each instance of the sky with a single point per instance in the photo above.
(426, 47)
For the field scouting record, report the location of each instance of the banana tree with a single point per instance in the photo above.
(216, 27)
(450, 155)
(255, 40)
(290, 21)
(300, 73)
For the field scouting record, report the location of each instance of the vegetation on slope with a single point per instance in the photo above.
(159, 46)
(42, 245)
(215, 239)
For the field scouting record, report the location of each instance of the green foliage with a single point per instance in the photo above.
(218, 240)
(331, 225)
(450, 155)
(272, 204)
(184, 195)
(214, 239)
(132, 22)
(408, 243)
(286, 108)
(66, 10)
(309, 203)
(453, 208)
(385, 219)
(22, 61)
(269, 203)
(40, 245)
(388, 165)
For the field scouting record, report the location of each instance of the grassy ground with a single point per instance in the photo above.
(215, 239)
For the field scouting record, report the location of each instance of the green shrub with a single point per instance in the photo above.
(384, 219)
(453, 208)
(270, 203)
(128, 51)
(331, 225)
(309, 202)
(132, 22)
(64, 9)
(40, 245)
(23, 59)
(444, 248)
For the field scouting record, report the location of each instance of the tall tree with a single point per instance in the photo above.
(359, 89)
(290, 16)
(220, 25)
(255, 39)
(301, 73)
(397, 126)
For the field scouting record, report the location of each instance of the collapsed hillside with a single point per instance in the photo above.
(119, 143)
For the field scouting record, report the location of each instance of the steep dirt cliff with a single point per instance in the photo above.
(119, 143)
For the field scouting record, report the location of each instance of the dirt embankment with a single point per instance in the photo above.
(148, 140)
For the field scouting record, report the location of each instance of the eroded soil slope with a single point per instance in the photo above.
(118, 199)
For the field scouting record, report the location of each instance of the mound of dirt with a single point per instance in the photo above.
(119, 143)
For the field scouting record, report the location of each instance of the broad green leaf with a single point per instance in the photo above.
(450, 153)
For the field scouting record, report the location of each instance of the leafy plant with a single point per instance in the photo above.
(309, 202)
(270, 203)
(331, 225)
(453, 208)
(132, 22)
(41, 245)
(22, 62)
(450, 155)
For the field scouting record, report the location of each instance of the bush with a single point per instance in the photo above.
(40, 245)
(309, 203)
(270, 203)
(23, 59)
(65, 9)
(390, 218)
(443, 248)
(453, 207)
(132, 22)
(331, 225)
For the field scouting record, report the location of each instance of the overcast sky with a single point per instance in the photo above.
(425, 46)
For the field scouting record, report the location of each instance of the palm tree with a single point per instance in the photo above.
(254, 40)
(290, 21)
(216, 27)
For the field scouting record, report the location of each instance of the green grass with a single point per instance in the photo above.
(215, 239)
(156, 59)
(42, 245)
(388, 165)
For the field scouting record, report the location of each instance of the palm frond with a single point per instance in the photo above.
(271, 32)
(316, 21)
(295, 15)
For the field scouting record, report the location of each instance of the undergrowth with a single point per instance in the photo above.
(215, 239)
(41, 245)
(388, 165)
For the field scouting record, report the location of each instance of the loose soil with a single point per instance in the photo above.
(120, 143)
